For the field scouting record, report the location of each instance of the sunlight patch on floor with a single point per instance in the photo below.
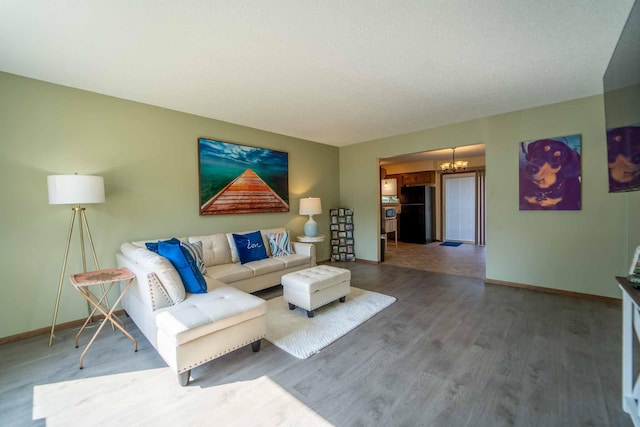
(153, 397)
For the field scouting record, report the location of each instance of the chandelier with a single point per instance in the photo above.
(454, 166)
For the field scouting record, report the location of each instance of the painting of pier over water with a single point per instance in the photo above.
(240, 179)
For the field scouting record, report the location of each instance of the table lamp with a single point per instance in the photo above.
(310, 206)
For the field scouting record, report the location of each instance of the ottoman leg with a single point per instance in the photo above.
(343, 299)
(291, 306)
(309, 313)
(255, 346)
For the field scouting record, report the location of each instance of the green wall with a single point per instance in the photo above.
(579, 251)
(148, 157)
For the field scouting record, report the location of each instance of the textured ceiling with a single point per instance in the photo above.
(336, 72)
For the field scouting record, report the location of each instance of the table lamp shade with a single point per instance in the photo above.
(310, 206)
(75, 189)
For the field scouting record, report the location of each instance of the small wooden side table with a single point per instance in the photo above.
(83, 281)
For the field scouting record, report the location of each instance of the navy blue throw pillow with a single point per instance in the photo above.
(187, 269)
(250, 247)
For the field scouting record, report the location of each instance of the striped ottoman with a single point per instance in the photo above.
(316, 286)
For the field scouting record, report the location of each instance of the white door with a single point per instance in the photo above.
(460, 207)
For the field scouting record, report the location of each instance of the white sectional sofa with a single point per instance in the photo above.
(191, 329)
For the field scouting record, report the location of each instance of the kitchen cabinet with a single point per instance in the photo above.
(397, 177)
(414, 178)
(418, 178)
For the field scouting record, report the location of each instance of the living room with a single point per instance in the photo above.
(149, 159)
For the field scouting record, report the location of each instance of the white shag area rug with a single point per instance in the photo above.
(295, 333)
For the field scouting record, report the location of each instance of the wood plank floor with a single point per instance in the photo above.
(452, 351)
(464, 260)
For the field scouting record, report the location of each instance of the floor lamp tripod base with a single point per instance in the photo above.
(83, 226)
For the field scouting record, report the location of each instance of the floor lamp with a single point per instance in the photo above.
(75, 190)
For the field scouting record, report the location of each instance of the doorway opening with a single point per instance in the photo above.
(459, 207)
(457, 213)
(464, 210)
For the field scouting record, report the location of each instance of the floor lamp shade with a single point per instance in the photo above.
(311, 206)
(75, 189)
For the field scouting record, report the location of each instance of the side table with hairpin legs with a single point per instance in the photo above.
(83, 281)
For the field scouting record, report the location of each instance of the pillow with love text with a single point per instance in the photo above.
(250, 247)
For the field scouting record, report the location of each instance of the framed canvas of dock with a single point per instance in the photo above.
(238, 179)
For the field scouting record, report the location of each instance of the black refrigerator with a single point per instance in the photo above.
(416, 214)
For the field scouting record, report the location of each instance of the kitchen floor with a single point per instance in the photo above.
(465, 260)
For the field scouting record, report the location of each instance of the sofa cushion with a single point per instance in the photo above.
(213, 283)
(201, 315)
(265, 266)
(250, 247)
(215, 249)
(191, 278)
(161, 266)
(280, 244)
(232, 248)
(293, 260)
(229, 273)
